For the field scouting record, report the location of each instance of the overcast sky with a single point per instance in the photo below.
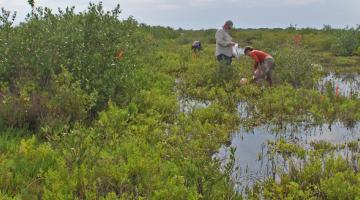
(198, 14)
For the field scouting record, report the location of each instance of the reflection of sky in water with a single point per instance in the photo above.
(242, 109)
(189, 105)
(338, 134)
(346, 83)
(251, 146)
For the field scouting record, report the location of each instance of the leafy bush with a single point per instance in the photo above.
(347, 42)
(296, 67)
(100, 98)
(23, 174)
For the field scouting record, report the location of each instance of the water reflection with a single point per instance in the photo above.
(252, 161)
(347, 83)
(189, 105)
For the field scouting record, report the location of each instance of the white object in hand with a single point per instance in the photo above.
(237, 51)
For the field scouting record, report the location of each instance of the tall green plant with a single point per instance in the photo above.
(347, 41)
(295, 66)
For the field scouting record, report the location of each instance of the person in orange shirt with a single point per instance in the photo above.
(263, 65)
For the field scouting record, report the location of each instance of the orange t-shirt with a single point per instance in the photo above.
(258, 56)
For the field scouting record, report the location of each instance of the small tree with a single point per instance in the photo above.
(347, 42)
(32, 3)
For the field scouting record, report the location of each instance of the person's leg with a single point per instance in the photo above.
(224, 59)
(221, 69)
(225, 69)
(259, 73)
(268, 65)
(228, 60)
(220, 57)
(269, 78)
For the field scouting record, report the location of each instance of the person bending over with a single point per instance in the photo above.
(264, 63)
(196, 46)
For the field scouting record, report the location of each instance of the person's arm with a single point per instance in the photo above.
(220, 35)
(257, 61)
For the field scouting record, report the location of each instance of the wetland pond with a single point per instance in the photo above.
(253, 160)
(347, 84)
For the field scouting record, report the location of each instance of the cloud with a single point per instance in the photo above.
(215, 4)
(301, 2)
(274, 3)
(212, 13)
(170, 4)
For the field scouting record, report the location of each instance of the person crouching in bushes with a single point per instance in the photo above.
(196, 46)
(264, 63)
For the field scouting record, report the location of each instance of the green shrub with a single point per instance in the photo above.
(347, 41)
(295, 66)
(342, 185)
(23, 173)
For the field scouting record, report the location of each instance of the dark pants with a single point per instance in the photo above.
(226, 71)
(224, 59)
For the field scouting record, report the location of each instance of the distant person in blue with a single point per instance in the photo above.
(196, 46)
(224, 43)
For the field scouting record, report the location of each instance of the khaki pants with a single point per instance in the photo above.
(264, 69)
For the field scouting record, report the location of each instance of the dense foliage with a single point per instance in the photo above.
(93, 107)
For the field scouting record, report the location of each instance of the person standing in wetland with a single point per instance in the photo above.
(264, 64)
(224, 43)
(224, 52)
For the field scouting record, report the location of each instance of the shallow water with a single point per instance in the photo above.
(347, 83)
(189, 105)
(252, 161)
